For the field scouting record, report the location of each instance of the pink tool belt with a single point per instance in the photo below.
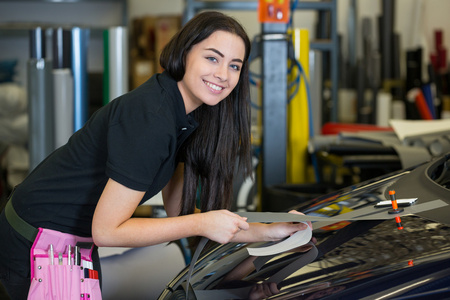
(61, 263)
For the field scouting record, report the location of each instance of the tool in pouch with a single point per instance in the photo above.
(57, 275)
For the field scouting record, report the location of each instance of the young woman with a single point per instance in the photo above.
(181, 129)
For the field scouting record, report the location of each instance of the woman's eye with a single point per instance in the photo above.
(236, 67)
(213, 59)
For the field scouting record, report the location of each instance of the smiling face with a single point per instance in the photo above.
(212, 70)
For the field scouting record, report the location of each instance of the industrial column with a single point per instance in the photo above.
(274, 102)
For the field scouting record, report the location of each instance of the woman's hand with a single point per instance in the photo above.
(276, 231)
(280, 230)
(222, 225)
(299, 213)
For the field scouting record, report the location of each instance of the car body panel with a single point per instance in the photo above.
(351, 259)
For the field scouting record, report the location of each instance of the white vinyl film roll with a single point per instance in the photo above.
(384, 109)
(118, 61)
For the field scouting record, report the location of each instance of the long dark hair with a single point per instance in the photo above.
(223, 136)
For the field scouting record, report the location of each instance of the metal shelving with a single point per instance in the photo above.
(123, 3)
(21, 28)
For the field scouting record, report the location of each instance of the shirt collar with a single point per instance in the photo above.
(185, 123)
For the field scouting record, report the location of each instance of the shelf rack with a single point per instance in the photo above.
(22, 28)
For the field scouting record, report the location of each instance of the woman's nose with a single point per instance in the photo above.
(221, 73)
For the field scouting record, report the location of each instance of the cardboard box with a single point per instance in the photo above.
(142, 69)
(165, 28)
(149, 36)
(143, 37)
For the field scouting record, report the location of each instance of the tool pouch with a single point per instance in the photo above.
(56, 274)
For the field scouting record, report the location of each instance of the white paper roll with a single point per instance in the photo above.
(384, 106)
(398, 110)
(118, 61)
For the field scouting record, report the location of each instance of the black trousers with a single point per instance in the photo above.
(15, 261)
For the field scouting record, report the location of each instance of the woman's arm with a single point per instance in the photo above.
(113, 224)
(257, 232)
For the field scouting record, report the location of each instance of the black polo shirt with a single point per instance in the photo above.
(133, 140)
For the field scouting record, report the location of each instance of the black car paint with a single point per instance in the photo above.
(354, 260)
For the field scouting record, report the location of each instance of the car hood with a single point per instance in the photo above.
(350, 259)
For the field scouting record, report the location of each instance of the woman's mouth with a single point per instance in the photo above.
(213, 86)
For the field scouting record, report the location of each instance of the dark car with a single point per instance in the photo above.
(358, 258)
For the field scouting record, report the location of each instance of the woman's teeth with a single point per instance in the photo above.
(213, 86)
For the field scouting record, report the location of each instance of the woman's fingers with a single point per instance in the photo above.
(223, 225)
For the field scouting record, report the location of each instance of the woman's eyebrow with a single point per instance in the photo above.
(221, 54)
